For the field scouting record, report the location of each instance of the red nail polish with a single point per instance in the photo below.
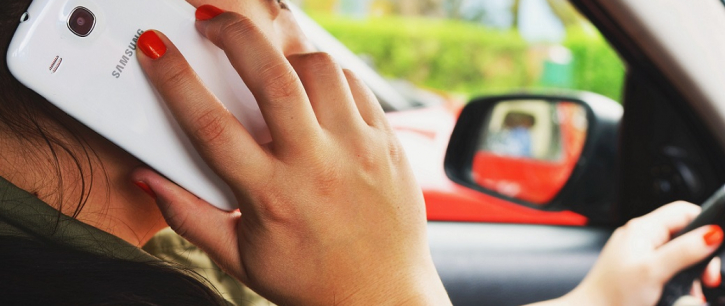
(151, 44)
(206, 12)
(146, 189)
(713, 236)
(719, 280)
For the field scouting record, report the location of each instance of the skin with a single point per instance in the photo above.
(640, 258)
(319, 222)
(117, 206)
(327, 176)
(333, 160)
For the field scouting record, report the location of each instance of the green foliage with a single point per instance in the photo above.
(467, 58)
(597, 67)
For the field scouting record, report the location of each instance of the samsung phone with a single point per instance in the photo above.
(80, 56)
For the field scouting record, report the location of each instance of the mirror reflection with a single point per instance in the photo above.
(529, 148)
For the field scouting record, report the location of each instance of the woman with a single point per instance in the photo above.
(319, 222)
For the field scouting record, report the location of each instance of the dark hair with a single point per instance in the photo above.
(31, 119)
(43, 273)
(39, 273)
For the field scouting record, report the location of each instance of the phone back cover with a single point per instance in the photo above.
(98, 80)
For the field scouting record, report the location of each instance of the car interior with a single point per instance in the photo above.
(667, 149)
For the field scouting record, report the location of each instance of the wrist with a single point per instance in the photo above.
(420, 287)
(585, 294)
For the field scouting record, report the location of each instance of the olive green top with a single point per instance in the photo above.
(24, 215)
(169, 246)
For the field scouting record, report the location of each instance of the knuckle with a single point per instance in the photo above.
(632, 225)
(209, 127)
(369, 161)
(350, 75)
(377, 153)
(682, 203)
(618, 234)
(369, 152)
(319, 61)
(685, 206)
(232, 29)
(315, 66)
(276, 208)
(271, 204)
(396, 153)
(279, 82)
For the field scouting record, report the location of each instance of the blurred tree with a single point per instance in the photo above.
(566, 13)
(328, 6)
(515, 12)
(454, 8)
(471, 10)
(429, 8)
(562, 8)
(381, 7)
(355, 8)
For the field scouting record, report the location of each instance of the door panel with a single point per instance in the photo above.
(508, 264)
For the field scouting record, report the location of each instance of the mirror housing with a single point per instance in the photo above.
(589, 190)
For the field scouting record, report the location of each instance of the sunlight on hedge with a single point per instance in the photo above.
(470, 59)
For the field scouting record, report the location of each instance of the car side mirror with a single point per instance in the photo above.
(540, 151)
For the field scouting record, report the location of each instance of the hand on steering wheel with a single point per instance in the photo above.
(640, 258)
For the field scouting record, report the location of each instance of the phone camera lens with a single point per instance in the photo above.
(81, 22)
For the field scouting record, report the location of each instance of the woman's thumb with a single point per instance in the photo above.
(209, 228)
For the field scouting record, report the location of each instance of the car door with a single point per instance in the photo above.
(669, 148)
(668, 144)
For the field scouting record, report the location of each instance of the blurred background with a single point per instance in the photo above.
(468, 48)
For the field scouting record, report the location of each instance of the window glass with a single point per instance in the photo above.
(436, 55)
(467, 48)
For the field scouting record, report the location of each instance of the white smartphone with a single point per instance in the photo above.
(80, 56)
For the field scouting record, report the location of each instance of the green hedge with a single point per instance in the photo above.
(466, 58)
(597, 66)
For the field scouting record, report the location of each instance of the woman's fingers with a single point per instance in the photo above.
(327, 89)
(209, 228)
(658, 226)
(268, 74)
(688, 249)
(214, 131)
(712, 277)
(367, 103)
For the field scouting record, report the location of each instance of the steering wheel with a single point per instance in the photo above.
(713, 212)
(681, 284)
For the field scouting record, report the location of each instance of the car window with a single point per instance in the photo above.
(425, 59)
(467, 48)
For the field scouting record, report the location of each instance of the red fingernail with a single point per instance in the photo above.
(146, 189)
(151, 44)
(713, 236)
(206, 12)
(718, 282)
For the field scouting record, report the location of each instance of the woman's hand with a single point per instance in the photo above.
(640, 258)
(330, 211)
